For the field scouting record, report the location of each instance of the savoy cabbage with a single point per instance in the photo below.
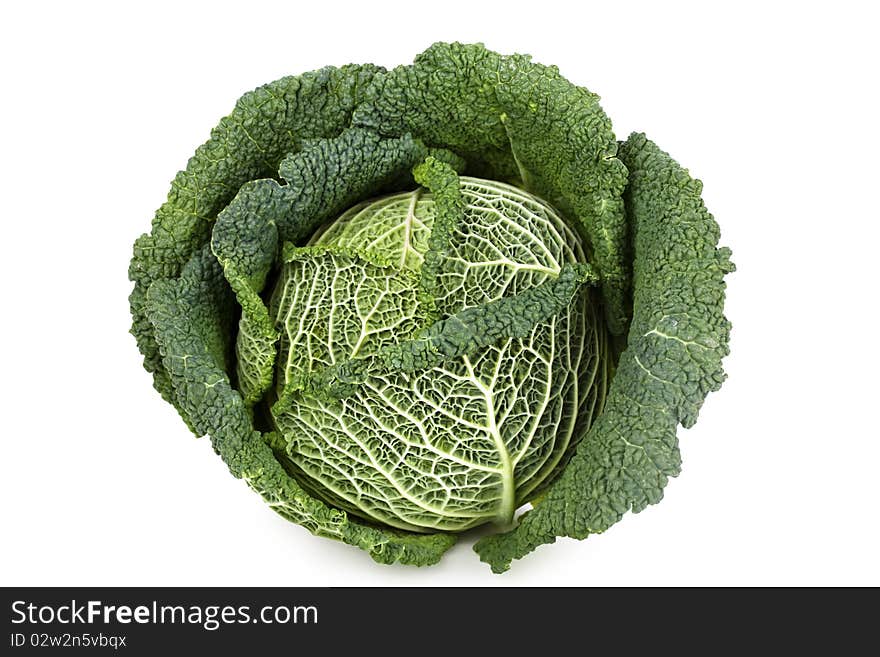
(407, 303)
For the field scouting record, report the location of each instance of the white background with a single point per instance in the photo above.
(773, 106)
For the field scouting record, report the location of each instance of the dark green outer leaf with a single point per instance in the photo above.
(265, 125)
(676, 342)
(187, 315)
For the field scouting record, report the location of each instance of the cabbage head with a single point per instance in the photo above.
(408, 303)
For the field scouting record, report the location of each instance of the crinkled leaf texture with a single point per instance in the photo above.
(356, 247)
(676, 341)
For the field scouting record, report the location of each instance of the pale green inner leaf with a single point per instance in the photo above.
(460, 444)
